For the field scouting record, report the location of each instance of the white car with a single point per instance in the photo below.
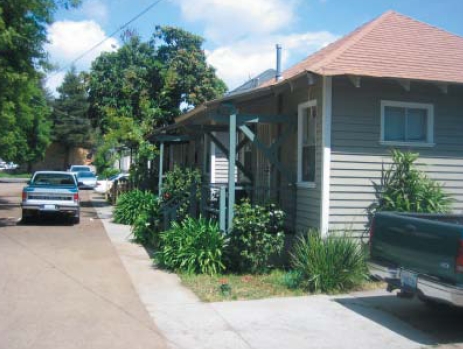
(86, 180)
(104, 185)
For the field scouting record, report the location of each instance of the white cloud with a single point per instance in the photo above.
(236, 63)
(229, 20)
(68, 40)
(96, 10)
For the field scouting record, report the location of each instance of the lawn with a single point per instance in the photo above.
(243, 287)
(248, 287)
(14, 175)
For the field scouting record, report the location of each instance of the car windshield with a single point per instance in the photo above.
(80, 168)
(85, 174)
(53, 179)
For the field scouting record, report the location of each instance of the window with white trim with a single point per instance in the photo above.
(307, 117)
(405, 123)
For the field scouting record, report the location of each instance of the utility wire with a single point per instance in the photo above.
(105, 39)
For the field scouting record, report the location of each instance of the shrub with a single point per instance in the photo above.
(193, 246)
(329, 265)
(177, 188)
(109, 172)
(133, 203)
(256, 236)
(404, 188)
(147, 226)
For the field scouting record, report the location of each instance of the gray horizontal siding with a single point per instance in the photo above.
(358, 157)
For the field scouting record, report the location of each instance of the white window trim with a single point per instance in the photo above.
(300, 114)
(430, 124)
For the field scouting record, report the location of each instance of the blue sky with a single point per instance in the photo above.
(240, 35)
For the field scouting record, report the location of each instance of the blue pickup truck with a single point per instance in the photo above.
(419, 254)
(51, 192)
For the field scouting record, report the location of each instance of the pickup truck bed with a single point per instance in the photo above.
(420, 254)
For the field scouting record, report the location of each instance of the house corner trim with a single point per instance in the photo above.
(326, 155)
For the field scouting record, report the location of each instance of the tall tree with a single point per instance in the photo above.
(22, 35)
(71, 125)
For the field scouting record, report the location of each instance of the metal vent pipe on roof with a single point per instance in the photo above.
(278, 76)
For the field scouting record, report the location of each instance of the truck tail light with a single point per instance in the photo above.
(24, 195)
(459, 261)
(76, 197)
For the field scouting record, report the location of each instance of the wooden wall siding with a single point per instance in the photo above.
(221, 161)
(308, 200)
(358, 157)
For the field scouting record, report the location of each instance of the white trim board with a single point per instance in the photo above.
(326, 155)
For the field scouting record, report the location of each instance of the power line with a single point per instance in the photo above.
(105, 39)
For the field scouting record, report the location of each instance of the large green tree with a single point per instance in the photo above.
(71, 125)
(23, 111)
(144, 85)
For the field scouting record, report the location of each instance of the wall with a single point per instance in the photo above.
(358, 157)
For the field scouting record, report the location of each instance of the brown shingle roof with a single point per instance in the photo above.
(393, 46)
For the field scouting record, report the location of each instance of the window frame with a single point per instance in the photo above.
(300, 114)
(409, 105)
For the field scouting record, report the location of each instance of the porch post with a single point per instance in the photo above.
(326, 155)
(161, 163)
(231, 170)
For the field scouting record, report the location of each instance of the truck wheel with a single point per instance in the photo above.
(76, 220)
(26, 216)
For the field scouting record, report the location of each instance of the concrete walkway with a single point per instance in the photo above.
(292, 323)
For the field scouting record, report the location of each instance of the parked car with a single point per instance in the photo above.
(104, 185)
(86, 180)
(79, 168)
(51, 192)
(419, 254)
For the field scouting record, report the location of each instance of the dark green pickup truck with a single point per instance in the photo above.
(420, 254)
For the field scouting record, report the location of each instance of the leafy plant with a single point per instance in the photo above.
(147, 226)
(404, 188)
(178, 188)
(132, 204)
(193, 246)
(256, 236)
(329, 265)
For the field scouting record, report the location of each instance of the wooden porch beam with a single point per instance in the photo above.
(224, 150)
(269, 153)
(355, 80)
(443, 87)
(252, 118)
(405, 83)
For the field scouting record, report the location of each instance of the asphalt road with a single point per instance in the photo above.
(63, 286)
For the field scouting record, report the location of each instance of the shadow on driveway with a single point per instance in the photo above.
(439, 324)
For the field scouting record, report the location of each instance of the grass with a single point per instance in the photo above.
(14, 175)
(243, 287)
(248, 287)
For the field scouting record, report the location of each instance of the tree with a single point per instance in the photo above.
(72, 126)
(143, 85)
(22, 99)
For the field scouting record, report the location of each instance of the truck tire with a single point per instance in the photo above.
(76, 220)
(26, 216)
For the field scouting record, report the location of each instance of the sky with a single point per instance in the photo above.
(240, 35)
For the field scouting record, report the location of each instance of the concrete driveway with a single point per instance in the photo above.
(64, 286)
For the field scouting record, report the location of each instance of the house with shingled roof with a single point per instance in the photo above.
(320, 133)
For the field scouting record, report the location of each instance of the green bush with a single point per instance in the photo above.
(132, 204)
(147, 226)
(193, 246)
(255, 237)
(109, 172)
(335, 264)
(177, 188)
(404, 188)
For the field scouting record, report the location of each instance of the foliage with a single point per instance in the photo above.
(133, 203)
(142, 85)
(404, 188)
(256, 236)
(147, 224)
(193, 246)
(109, 172)
(24, 134)
(329, 265)
(178, 187)
(72, 126)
